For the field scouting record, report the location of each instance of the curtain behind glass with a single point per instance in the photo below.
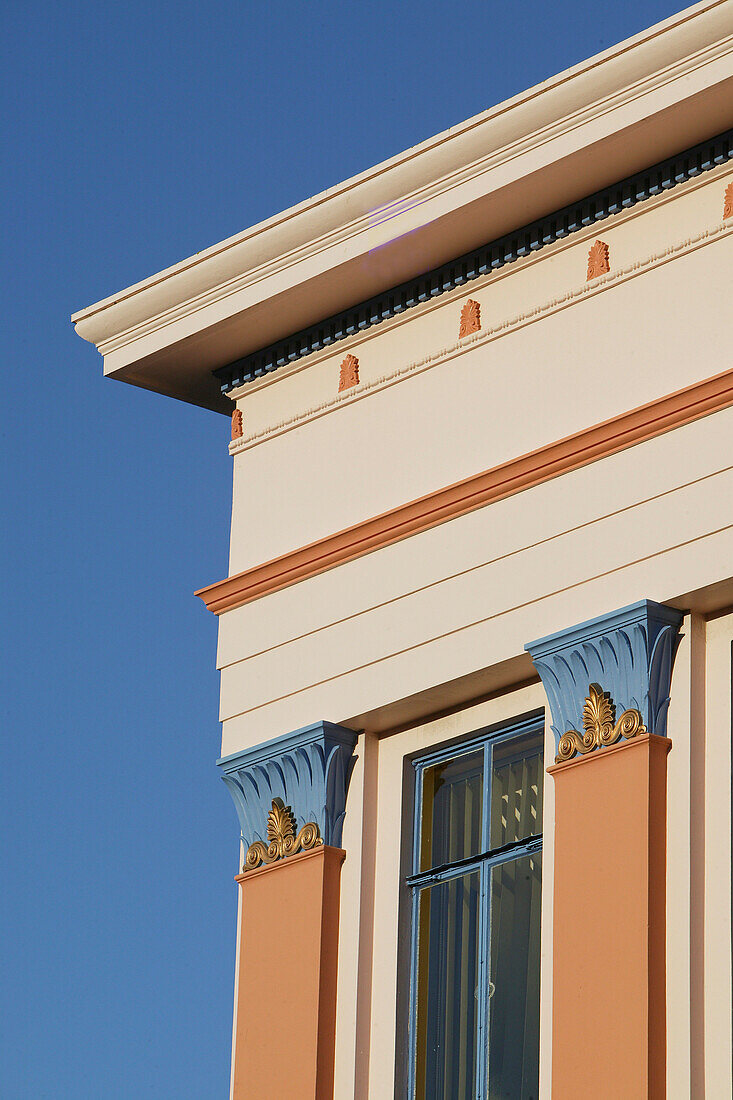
(517, 774)
(514, 993)
(452, 807)
(447, 1009)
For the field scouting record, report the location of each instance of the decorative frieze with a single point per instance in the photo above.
(507, 249)
(291, 791)
(470, 318)
(508, 325)
(630, 653)
(598, 263)
(349, 374)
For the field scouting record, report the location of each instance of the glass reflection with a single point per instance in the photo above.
(447, 1008)
(514, 992)
(516, 790)
(452, 807)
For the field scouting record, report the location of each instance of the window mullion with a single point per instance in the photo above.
(411, 1076)
(417, 825)
(486, 816)
(484, 966)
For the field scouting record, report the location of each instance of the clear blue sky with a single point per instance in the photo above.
(134, 135)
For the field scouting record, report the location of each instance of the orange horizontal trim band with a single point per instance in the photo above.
(606, 438)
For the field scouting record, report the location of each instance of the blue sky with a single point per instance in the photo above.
(134, 135)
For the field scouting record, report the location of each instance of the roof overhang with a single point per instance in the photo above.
(639, 102)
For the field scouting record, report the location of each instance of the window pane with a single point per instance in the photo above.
(451, 810)
(447, 997)
(516, 789)
(514, 992)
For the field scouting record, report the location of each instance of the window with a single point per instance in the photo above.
(476, 886)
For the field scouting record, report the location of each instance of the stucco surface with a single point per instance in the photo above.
(471, 593)
(552, 358)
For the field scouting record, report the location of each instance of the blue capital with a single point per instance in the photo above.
(308, 769)
(629, 653)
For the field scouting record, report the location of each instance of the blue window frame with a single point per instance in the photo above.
(476, 892)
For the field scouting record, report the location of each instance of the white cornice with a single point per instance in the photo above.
(658, 92)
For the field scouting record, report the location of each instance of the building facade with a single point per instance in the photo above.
(476, 638)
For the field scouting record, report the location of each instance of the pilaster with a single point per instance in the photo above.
(290, 797)
(608, 685)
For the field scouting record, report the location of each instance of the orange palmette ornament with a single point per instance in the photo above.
(281, 838)
(470, 319)
(349, 373)
(598, 262)
(728, 202)
(599, 727)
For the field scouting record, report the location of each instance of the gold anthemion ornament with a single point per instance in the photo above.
(599, 727)
(281, 838)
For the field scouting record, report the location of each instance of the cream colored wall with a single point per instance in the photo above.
(471, 593)
(552, 357)
(356, 971)
(371, 887)
(699, 1005)
(467, 595)
(716, 877)
(685, 723)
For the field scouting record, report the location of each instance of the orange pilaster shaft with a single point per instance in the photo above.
(609, 1011)
(286, 994)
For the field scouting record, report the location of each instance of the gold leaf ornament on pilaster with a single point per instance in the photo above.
(281, 838)
(599, 726)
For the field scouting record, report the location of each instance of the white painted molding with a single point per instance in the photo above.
(170, 331)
